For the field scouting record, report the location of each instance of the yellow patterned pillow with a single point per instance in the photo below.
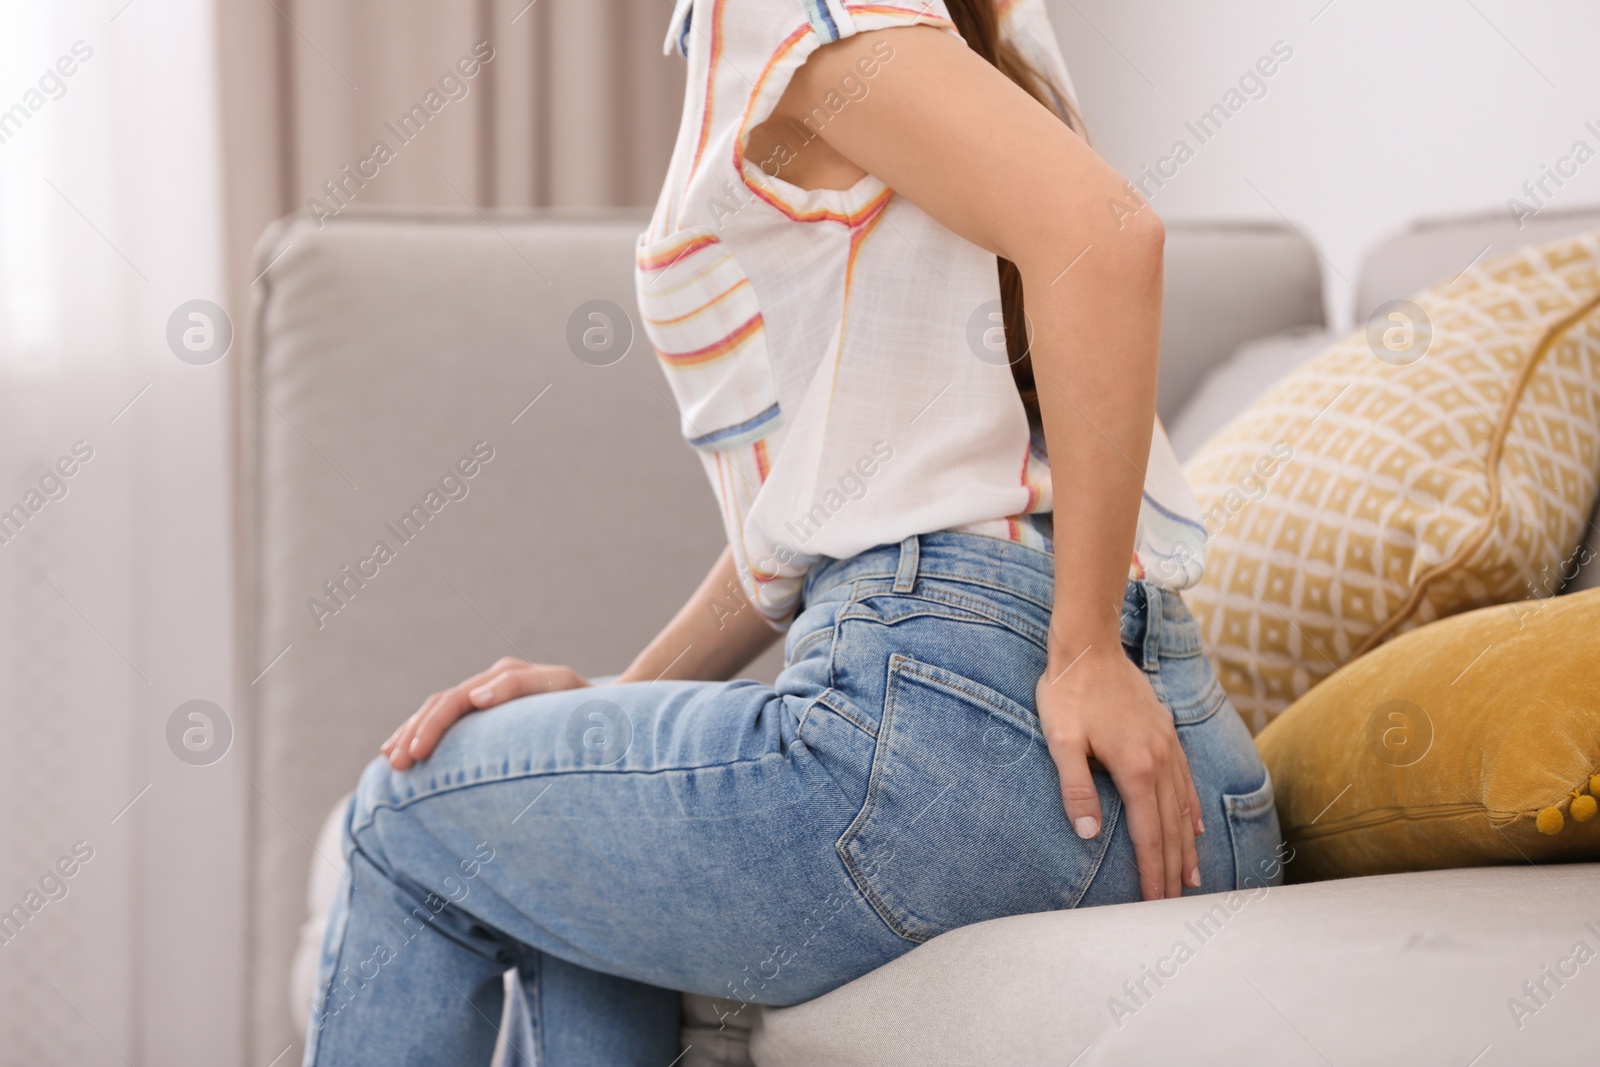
(1443, 458)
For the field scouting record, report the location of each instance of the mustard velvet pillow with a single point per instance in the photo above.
(1443, 458)
(1471, 741)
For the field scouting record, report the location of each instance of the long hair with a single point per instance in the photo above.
(979, 23)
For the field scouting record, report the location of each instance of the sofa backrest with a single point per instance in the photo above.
(1432, 250)
(386, 347)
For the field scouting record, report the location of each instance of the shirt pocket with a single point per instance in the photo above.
(705, 324)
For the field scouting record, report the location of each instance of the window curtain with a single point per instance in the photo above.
(120, 869)
(467, 105)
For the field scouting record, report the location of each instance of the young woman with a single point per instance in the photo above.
(982, 712)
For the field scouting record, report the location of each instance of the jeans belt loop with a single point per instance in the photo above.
(1152, 624)
(905, 579)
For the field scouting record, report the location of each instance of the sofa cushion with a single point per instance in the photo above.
(1409, 968)
(1230, 387)
(1471, 740)
(1226, 283)
(1436, 461)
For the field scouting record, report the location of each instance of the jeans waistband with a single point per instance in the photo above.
(1153, 619)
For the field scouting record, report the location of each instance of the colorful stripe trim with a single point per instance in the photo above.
(710, 94)
(737, 430)
(666, 257)
(853, 218)
(734, 288)
(918, 14)
(1027, 483)
(763, 461)
(858, 237)
(717, 349)
(683, 37)
(822, 20)
(1175, 517)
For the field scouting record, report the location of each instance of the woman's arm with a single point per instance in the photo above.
(946, 130)
(714, 635)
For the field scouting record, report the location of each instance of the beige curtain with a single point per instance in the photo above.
(328, 103)
(464, 104)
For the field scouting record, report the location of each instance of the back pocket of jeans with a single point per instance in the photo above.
(963, 819)
(1258, 853)
(706, 327)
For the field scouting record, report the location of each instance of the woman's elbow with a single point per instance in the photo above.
(1147, 231)
(1139, 243)
(1120, 249)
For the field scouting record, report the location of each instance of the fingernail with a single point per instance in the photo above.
(481, 694)
(1200, 822)
(415, 746)
(1087, 826)
(1194, 878)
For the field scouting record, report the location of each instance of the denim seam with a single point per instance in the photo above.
(833, 648)
(984, 612)
(1108, 830)
(400, 805)
(333, 975)
(1215, 697)
(879, 757)
(836, 705)
(974, 620)
(815, 637)
(927, 574)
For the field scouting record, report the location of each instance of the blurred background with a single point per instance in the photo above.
(144, 146)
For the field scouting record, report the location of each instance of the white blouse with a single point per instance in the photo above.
(836, 355)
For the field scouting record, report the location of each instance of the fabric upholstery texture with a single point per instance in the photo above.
(1469, 741)
(1430, 249)
(1405, 486)
(1229, 388)
(1399, 969)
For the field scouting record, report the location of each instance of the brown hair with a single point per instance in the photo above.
(979, 23)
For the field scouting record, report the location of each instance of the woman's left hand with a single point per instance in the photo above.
(1101, 706)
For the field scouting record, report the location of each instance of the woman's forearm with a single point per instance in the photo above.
(712, 637)
(1097, 399)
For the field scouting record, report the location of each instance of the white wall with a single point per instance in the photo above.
(1385, 112)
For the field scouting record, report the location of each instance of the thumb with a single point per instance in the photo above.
(1078, 791)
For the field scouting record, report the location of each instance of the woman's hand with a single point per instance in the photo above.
(1100, 706)
(506, 680)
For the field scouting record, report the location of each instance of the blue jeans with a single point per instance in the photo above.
(763, 844)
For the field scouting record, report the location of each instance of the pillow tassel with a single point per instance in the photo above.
(1583, 808)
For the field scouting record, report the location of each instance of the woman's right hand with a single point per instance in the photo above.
(508, 679)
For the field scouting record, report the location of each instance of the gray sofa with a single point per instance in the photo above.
(386, 344)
